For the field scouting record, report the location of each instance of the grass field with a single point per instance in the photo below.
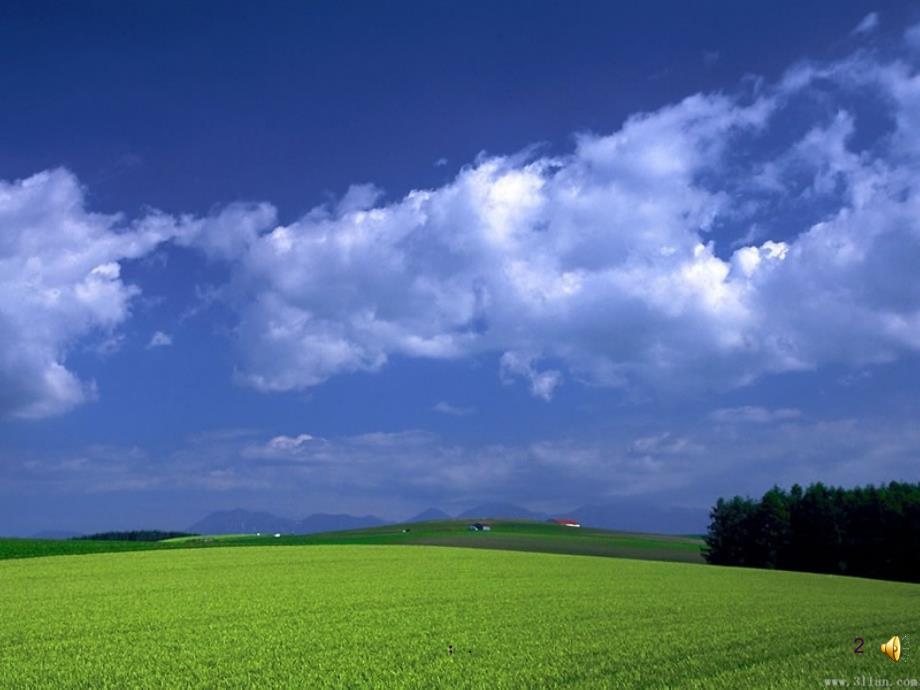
(514, 535)
(31, 548)
(384, 616)
(505, 534)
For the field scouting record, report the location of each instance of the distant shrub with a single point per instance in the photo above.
(136, 535)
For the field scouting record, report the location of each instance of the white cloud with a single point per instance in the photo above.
(564, 258)
(868, 24)
(60, 281)
(108, 345)
(160, 339)
(664, 443)
(695, 465)
(287, 444)
(692, 465)
(605, 262)
(228, 234)
(302, 446)
(445, 407)
(542, 383)
(597, 260)
(754, 414)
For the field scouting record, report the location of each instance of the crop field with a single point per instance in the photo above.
(513, 535)
(517, 535)
(421, 617)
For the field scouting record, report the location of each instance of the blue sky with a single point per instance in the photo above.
(352, 258)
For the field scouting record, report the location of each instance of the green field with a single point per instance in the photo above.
(384, 616)
(516, 535)
(31, 548)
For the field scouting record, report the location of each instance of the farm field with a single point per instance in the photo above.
(506, 534)
(32, 548)
(519, 535)
(381, 616)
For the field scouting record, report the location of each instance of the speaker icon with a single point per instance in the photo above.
(892, 648)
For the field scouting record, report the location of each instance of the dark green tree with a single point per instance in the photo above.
(865, 531)
(728, 541)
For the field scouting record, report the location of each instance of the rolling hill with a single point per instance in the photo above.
(514, 535)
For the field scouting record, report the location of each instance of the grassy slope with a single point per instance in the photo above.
(510, 535)
(505, 534)
(28, 548)
(383, 616)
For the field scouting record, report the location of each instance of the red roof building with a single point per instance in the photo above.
(566, 522)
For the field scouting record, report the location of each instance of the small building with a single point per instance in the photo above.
(566, 522)
(479, 527)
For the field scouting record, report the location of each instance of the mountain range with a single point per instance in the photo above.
(625, 515)
(246, 522)
(430, 514)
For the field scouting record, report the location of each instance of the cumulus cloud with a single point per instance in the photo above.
(603, 262)
(60, 281)
(592, 260)
(613, 265)
(159, 339)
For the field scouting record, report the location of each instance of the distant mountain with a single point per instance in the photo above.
(246, 522)
(501, 510)
(430, 514)
(323, 522)
(629, 515)
(55, 534)
(635, 516)
(242, 522)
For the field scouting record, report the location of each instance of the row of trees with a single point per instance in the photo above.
(135, 535)
(866, 531)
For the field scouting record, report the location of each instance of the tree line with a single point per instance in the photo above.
(135, 535)
(865, 531)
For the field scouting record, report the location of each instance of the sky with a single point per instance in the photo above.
(371, 258)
